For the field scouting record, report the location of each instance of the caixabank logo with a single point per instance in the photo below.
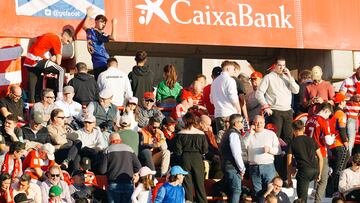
(244, 16)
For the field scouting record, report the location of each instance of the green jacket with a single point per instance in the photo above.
(164, 91)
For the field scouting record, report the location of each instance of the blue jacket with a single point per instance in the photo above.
(170, 194)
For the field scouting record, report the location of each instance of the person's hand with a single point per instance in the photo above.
(319, 100)
(286, 72)
(266, 149)
(346, 145)
(89, 11)
(318, 178)
(242, 175)
(114, 21)
(268, 111)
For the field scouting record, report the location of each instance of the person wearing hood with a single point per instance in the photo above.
(84, 84)
(141, 77)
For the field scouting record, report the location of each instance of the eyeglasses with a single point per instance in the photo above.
(16, 96)
(149, 100)
(61, 117)
(54, 175)
(156, 127)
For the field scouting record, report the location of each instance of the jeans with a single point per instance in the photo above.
(303, 177)
(320, 190)
(120, 192)
(351, 131)
(233, 183)
(261, 175)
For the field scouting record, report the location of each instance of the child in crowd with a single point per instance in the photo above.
(142, 192)
(54, 194)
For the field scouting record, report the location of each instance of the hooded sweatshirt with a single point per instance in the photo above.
(141, 80)
(86, 88)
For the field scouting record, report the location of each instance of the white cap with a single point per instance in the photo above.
(105, 93)
(144, 171)
(49, 149)
(133, 100)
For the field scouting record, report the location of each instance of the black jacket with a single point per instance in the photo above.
(86, 88)
(141, 80)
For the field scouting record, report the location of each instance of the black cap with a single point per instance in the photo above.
(78, 173)
(85, 163)
(169, 121)
(216, 71)
(21, 197)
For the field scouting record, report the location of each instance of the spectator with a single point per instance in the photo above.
(349, 184)
(12, 162)
(141, 77)
(271, 198)
(46, 105)
(85, 86)
(253, 105)
(304, 80)
(305, 150)
(224, 94)
(190, 146)
(96, 39)
(172, 191)
(148, 110)
(78, 189)
(22, 198)
(72, 109)
(262, 145)
(317, 92)
(9, 131)
(31, 190)
(275, 188)
(153, 148)
(232, 163)
(119, 164)
(168, 128)
(54, 179)
(197, 92)
(12, 104)
(182, 108)
(317, 127)
(38, 161)
(55, 194)
(216, 71)
(6, 191)
(34, 133)
(104, 111)
(129, 111)
(116, 81)
(168, 91)
(129, 136)
(241, 92)
(38, 60)
(202, 79)
(143, 190)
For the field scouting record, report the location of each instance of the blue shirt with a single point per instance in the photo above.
(170, 194)
(96, 40)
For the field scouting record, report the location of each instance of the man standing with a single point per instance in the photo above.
(96, 39)
(224, 94)
(116, 81)
(119, 163)
(216, 71)
(253, 105)
(233, 165)
(44, 56)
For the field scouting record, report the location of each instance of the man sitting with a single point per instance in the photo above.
(12, 104)
(31, 190)
(12, 162)
(148, 110)
(71, 108)
(34, 133)
(275, 188)
(46, 105)
(349, 184)
(9, 131)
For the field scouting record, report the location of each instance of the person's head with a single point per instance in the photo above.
(22, 198)
(154, 124)
(36, 121)
(187, 98)
(216, 71)
(231, 67)
(11, 121)
(68, 93)
(57, 117)
(280, 65)
(298, 127)
(259, 123)
(169, 124)
(5, 181)
(271, 198)
(189, 120)
(105, 97)
(125, 122)
(100, 22)
(304, 76)
(336, 200)
(340, 100)
(197, 87)
(132, 103)
(89, 123)
(316, 73)
(78, 177)
(148, 100)
(145, 174)
(356, 162)
(24, 182)
(277, 184)
(201, 78)
(236, 121)
(55, 191)
(67, 36)
(54, 174)
(114, 137)
(325, 110)
(170, 75)
(81, 67)
(46, 152)
(15, 93)
(112, 62)
(299, 201)
(48, 96)
(255, 79)
(17, 149)
(177, 175)
(205, 123)
(141, 58)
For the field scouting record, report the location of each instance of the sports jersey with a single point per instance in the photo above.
(337, 123)
(45, 45)
(96, 40)
(317, 127)
(32, 161)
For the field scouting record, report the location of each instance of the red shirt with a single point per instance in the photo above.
(323, 89)
(206, 100)
(32, 161)
(317, 127)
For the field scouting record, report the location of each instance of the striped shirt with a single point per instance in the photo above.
(352, 109)
(351, 87)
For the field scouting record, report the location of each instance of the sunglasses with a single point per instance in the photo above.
(149, 100)
(54, 175)
(156, 127)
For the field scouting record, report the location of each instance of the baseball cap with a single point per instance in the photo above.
(38, 117)
(339, 98)
(256, 74)
(85, 163)
(55, 191)
(105, 93)
(49, 149)
(68, 89)
(78, 173)
(133, 100)
(144, 171)
(186, 94)
(316, 73)
(149, 95)
(125, 120)
(90, 118)
(177, 170)
(216, 71)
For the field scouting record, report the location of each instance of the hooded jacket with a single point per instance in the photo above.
(86, 88)
(141, 80)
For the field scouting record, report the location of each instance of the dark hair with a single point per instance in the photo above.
(54, 113)
(276, 177)
(81, 67)
(356, 158)
(69, 32)
(45, 92)
(305, 74)
(298, 125)
(4, 176)
(101, 17)
(16, 147)
(230, 63)
(233, 118)
(170, 75)
(81, 200)
(200, 76)
(269, 197)
(153, 120)
(140, 56)
(110, 61)
(12, 117)
(20, 198)
(280, 58)
(189, 120)
(299, 201)
(25, 177)
(325, 106)
(173, 178)
(337, 200)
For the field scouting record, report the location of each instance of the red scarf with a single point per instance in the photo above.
(116, 142)
(5, 167)
(167, 135)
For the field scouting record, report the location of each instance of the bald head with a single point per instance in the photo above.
(15, 92)
(114, 136)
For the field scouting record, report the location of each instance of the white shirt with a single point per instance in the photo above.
(70, 110)
(224, 95)
(119, 84)
(91, 140)
(34, 192)
(140, 195)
